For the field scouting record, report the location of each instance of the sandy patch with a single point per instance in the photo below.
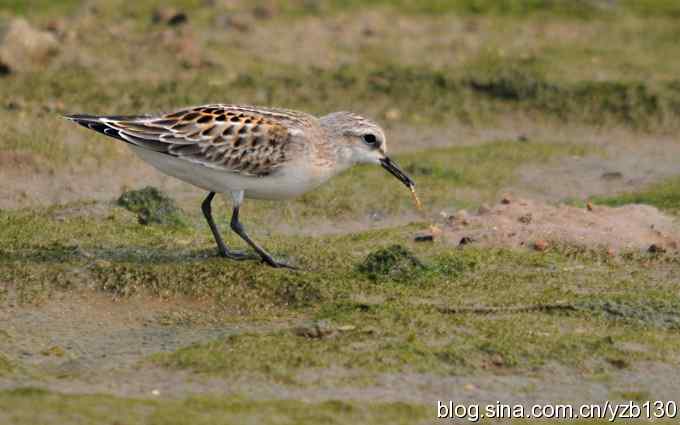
(534, 224)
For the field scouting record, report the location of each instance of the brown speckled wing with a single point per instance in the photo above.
(243, 140)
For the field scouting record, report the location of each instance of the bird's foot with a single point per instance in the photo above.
(279, 264)
(238, 255)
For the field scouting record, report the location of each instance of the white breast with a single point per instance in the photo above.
(289, 182)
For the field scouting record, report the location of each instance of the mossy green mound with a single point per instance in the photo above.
(394, 262)
(152, 206)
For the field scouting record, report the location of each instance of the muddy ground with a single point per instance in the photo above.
(90, 344)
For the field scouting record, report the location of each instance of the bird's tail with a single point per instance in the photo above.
(103, 124)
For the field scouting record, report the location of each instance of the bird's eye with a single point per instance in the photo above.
(370, 139)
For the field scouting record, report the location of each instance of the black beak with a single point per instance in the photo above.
(397, 172)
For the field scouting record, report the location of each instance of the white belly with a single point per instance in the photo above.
(285, 184)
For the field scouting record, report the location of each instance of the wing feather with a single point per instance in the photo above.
(244, 140)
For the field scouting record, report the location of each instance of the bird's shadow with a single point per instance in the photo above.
(140, 255)
(127, 254)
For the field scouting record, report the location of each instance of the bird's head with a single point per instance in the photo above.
(359, 140)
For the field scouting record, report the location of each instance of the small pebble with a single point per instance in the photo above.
(169, 16)
(429, 236)
(656, 249)
(424, 237)
(465, 240)
(541, 245)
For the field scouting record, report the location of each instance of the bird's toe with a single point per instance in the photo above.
(239, 255)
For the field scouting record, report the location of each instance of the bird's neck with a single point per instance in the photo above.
(332, 158)
(334, 149)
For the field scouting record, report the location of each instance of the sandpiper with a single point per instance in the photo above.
(249, 152)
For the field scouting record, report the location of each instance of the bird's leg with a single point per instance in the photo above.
(221, 247)
(237, 227)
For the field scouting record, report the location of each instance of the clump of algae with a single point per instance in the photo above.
(151, 206)
(394, 262)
